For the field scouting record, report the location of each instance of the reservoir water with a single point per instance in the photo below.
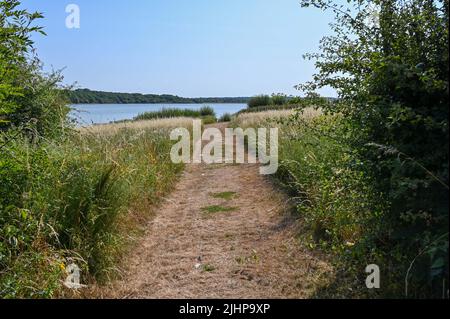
(87, 114)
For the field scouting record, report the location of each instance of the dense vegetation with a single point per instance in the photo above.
(275, 99)
(373, 174)
(227, 117)
(85, 96)
(205, 111)
(369, 176)
(279, 101)
(65, 196)
(259, 100)
(265, 108)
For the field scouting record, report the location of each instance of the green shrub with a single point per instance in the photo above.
(393, 91)
(295, 100)
(335, 196)
(209, 119)
(225, 117)
(29, 98)
(259, 100)
(279, 99)
(207, 111)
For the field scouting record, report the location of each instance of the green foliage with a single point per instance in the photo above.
(279, 99)
(332, 189)
(174, 112)
(28, 98)
(259, 100)
(64, 196)
(207, 111)
(214, 209)
(208, 268)
(257, 109)
(15, 42)
(225, 118)
(224, 195)
(85, 96)
(388, 61)
(70, 199)
(209, 119)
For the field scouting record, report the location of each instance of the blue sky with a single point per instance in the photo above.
(189, 48)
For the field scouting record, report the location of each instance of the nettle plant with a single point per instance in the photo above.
(388, 62)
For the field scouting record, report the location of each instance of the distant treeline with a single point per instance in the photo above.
(85, 96)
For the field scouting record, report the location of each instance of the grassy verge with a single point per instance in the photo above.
(75, 200)
(333, 195)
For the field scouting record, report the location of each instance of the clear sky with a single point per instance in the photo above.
(190, 48)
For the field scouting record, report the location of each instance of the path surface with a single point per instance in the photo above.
(249, 252)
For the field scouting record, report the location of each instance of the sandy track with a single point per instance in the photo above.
(250, 252)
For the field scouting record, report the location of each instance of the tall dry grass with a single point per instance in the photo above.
(80, 199)
(156, 124)
(258, 118)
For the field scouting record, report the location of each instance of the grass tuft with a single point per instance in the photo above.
(224, 195)
(217, 209)
(208, 268)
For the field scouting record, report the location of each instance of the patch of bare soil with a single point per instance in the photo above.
(224, 232)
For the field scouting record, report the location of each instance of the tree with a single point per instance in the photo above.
(15, 42)
(388, 62)
(28, 97)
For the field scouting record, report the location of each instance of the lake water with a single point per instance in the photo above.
(87, 114)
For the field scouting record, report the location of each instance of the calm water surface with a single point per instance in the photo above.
(87, 114)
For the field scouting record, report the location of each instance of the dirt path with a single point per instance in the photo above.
(249, 251)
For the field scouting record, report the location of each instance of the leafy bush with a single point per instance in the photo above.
(207, 111)
(278, 99)
(388, 61)
(259, 100)
(225, 117)
(295, 100)
(334, 192)
(209, 119)
(28, 98)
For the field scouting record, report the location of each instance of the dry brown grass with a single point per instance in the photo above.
(111, 129)
(254, 119)
(247, 252)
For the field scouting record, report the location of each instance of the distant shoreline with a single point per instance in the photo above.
(86, 96)
(166, 103)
